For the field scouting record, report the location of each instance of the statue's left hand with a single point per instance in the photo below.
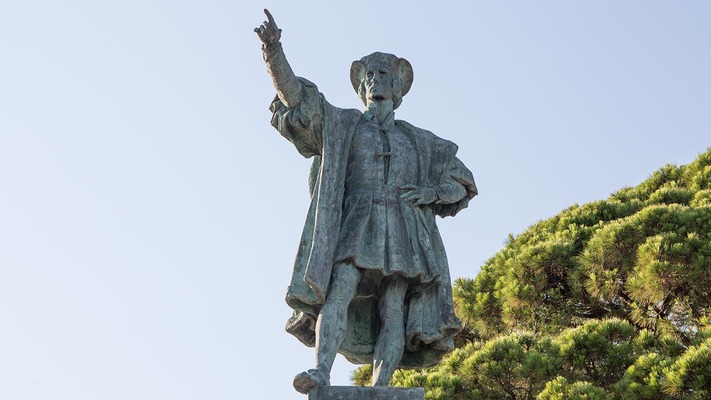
(269, 33)
(418, 196)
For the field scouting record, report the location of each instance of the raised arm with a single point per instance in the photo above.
(285, 82)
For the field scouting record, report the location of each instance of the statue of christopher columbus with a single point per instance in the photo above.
(371, 279)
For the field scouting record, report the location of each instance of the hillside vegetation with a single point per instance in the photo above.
(610, 299)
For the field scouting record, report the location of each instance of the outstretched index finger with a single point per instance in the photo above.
(270, 18)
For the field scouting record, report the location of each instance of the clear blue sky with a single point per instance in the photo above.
(149, 214)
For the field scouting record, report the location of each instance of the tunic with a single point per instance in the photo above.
(374, 232)
(356, 215)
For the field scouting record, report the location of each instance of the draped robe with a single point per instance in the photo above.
(319, 130)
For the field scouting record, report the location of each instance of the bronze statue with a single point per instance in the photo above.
(371, 278)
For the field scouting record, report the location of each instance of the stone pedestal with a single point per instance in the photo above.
(366, 393)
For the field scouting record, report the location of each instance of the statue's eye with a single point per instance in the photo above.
(383, 72)
(369, 74)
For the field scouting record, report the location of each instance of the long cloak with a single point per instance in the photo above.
(319, 130)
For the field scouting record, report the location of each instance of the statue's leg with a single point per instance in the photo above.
(331, 326)
(333, 318)
(391, 338)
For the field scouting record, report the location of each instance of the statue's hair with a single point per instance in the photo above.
(400, 67)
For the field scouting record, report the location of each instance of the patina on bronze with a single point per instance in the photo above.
(371, 279)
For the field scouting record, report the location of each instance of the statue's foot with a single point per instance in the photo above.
(310, 379)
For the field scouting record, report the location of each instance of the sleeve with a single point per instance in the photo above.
(457, 183)
(455, 190)
(303, 124)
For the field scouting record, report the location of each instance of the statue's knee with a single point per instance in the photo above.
(338, 299)
(392, 313)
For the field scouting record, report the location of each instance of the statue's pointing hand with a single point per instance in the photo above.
(418, 196)
(269, 33)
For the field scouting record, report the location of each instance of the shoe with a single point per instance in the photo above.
(310, 379)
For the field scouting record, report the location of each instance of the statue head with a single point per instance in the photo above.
(381, 76)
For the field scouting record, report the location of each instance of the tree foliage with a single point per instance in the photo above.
(640, 255)
(611, 299)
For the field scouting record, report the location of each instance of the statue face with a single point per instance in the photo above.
(378, 83)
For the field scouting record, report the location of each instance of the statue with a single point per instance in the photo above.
(371, 279)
